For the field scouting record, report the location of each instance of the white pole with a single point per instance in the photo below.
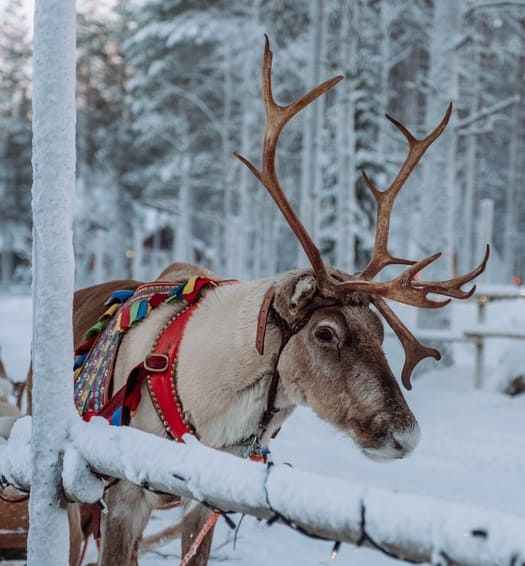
(53, 273)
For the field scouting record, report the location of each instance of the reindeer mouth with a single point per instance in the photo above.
(398, 445)
(382, 454)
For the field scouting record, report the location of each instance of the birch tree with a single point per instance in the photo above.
(346, 140)
(15, 137)
(438, 193)
(310, 158)
(513, 182)
(53, 272)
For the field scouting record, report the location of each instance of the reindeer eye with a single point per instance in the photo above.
(325, 334)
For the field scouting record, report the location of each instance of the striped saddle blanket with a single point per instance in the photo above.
(95, 358)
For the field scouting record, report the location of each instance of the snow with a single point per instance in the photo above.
(16, 465)
(472, 452)
(78, 479)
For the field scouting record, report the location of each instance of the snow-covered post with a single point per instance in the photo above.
(53, 273)
(485, 231)
(485, 236)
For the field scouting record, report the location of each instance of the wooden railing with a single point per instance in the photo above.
(411, 527)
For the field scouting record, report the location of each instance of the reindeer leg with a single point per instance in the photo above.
(75, 533)
(193, 521)
(129, 507)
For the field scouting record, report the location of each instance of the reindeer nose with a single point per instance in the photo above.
(400, 443)
(406, 440)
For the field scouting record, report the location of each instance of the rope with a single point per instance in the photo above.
(83, 551)
(210, 523)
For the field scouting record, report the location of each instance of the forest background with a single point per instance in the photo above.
(168, 89)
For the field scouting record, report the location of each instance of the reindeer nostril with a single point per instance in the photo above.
(403, 442)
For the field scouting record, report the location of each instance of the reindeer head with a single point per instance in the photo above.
(331, 356)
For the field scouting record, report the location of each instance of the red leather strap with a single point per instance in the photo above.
(162, 385)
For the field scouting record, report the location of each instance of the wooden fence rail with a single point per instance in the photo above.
(412, 527)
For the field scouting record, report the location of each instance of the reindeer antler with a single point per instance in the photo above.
(385, 200)
(276, 119)
(404, 288)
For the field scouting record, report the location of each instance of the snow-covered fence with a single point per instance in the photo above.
(481, 331)
(413, 527)
(488, 294)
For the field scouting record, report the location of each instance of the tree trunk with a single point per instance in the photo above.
(346, 142)
(227, 165)
(183, 243)
(510, 225)
(310, 168)
(246, 181)
(466, 254)
(438, 187)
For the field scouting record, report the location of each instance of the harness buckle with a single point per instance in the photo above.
(156, 363)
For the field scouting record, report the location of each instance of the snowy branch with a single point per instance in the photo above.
(486, 112)
(502, 4)
(412, 527)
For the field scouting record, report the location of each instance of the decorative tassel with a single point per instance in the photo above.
(86, 346)
(143, 309)
(119, 297)
(116, 417)
(176, 294)
(80, 361)
(190, 285)
(157, 300)
(96, 329)
(110, 312)
(196, 288)
(134, 313)
(124, 322)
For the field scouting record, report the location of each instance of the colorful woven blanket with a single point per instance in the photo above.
(95, 358)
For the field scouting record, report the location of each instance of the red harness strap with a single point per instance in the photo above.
(162, 384)
(159, 370)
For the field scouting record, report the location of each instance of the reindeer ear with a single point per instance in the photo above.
(293, 294)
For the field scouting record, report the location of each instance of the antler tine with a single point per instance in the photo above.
(452, 287)
(385, 199)
(405, 289)
(414, 350)
(276, 119)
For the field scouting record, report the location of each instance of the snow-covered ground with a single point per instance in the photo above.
(472, 448)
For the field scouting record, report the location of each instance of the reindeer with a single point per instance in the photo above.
(255, 350)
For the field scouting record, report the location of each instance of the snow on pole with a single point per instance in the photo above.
(53, 273)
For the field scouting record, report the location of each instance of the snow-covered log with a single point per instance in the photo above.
(413, 527)
(53, 272)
